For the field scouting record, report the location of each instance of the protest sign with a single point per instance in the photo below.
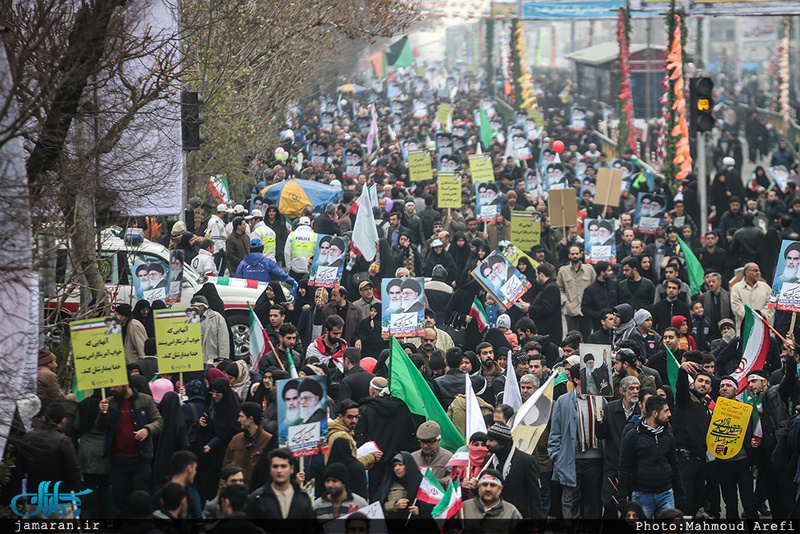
(728, 427)
(526, 230)
(353, 162)
(449, 162)
(449, 190)
(175, 279)
(180, 347)
(99, 354)
(444, 143)
(328, 261)
(609, 182)
(514, 254)
(443, 115)
(786, 285)
(487, 201)
(597, 363)
(419, 165)
(150, 280)
(649, 212)
(599, 241)
(481, 167)
(563, 207)
(303, 415)
(403, 311)
(500, 278)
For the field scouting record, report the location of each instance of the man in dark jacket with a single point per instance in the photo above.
(287, 335)
(605, 334)
(746, 241)
(388, 422)
(130, 420)
(47, 454)
(264, 503)
(395, 229)
(339, 305)
(635, 290)
(450, 385)
(648, 464)
(665, 310)
(600, 295)
(615, 416)
(355, 384)
(237, 246)
(659, 360)
(324, 223)
(546, 308)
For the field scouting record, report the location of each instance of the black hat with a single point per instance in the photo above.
(413, 285)
(125, 310)
(291, 384)
(157, 267)
(500, 432)
(311, 385)
(394, 282)
(338, 242)
(337, 471)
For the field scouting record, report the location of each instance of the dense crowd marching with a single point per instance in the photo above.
(157, 451)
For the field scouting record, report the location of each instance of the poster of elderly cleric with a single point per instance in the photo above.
(487, 200)
(649, 212)
(596, 367)
(353, 162)
(98, 352)
(330, 256)
(303, 415)
(403, 307)
(500, 278)
(318, 153)
(600, 241)
(786, 285)
(151, 280)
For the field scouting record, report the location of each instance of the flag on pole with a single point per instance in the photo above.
(755, 345)
(259, 344)
(450, 504)
(693, 267)
(511, 395)
(486, 129)
(460, 457)
(407, 384)
(672, 367)
(475, 422)
(531, 419)
(399, 54)
(479, 314)
(218, 187)
(430, 491)
(379, 63)
(373, 129)
(365, 235)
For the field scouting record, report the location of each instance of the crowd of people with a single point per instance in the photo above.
(157, 451)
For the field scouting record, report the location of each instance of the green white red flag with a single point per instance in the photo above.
(755, 345)
(479, 314)
(430, 491)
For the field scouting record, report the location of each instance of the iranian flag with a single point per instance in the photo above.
(479, 314)
(460, 457)
(755, 345)
(259, 344)
(450, 504)
(430, 491)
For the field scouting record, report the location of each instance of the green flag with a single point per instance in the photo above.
(399, 54)
(406, 383)
(672, 368)
(486, 129)
(693, 267)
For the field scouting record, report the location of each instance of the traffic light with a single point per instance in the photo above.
(191, 119)
(701, 95)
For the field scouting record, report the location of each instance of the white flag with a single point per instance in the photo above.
(511, 395)
(365, 235)
(475, 422)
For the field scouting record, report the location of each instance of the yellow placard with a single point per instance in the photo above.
(526, 230)
(179, 342)
(419, 166)
(728, 427)
(99, 353)
(482, 169)
(444, 113)
(513, 254)
(563, 207)
(449, 190)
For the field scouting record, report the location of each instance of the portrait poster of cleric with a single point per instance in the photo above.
(329, 259)
(303, 415)
(786, 285)
(403, 313)
(487, 201)
(501, 279)
(151, 280)
(649, 212)
(596, 367)
(600, 242)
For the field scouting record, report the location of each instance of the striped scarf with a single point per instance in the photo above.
(586, 423)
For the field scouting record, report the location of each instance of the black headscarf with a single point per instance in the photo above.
(340, 453)
(388, 267)
(369, 332)
(88, 409)
(650, 273)
(410, 482)
(460, 254)
(140, 384)
(301, 300)
(209, 291)
(171, 438)
(382, 365)
(225, 413)
(149, 326)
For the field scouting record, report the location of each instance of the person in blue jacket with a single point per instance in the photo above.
(256, 266)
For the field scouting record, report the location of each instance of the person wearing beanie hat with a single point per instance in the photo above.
(644, 335)
(504, 325)
(48, 389)
(431, 453)
(575, 447)
(519, 469)
(134, 333)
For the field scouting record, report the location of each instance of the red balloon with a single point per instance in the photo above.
(558, 146)
(368, 363)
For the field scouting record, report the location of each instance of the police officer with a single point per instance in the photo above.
(300, 248)
(263, 232)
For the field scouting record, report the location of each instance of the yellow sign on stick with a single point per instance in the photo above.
(526, 230)
(179, 342)
(99, 353)
(728, 427)
(481, 167)
(419, 166)
(449, 190)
